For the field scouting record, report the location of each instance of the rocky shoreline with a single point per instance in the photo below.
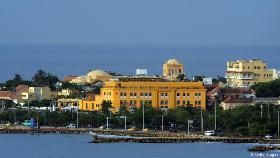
(139, 137)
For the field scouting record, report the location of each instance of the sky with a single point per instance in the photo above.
(188, 22)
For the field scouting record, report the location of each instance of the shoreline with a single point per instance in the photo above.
(138, 136)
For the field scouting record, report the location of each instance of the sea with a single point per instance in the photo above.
(78, 146)
(62, 60)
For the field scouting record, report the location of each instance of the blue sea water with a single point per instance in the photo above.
(63, 60)
(77, 146)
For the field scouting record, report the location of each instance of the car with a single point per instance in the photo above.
(210, 133)
(71, 125)
(131, 129)
(268, 136)
(28, 123)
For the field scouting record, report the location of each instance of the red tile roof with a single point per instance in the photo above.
(6, 95)
(238, 100)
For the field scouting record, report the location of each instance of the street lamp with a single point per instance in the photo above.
(261, 110)
(28, 100)
(161, 122)
(278, 123)
(201, 118)
(143, 115)
(216, 115)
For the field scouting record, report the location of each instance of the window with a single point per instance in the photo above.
(184, 94)
(166, 102)
(195, 103)
(86, 106)
(178, 102)
(184, 102)
(178, 94)
(188, 102)
(199, 102)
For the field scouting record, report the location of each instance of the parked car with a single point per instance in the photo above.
(268, 136)
(131, 129)
(71, 125)
(210, 133)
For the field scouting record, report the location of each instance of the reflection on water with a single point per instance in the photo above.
(77, 146)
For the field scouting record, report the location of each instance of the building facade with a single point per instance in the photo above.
(152, 91)
(172, 68)
(245, 73)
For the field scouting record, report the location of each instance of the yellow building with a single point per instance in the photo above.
(172, 68)
(244, 73)
(153, 91)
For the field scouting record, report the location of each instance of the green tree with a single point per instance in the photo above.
(41, 78)
(268, 89)
(106, 107)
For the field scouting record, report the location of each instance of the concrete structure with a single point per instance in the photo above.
(172, 68)
(267, 100)
(141, 72)
(244, 73)
(231, 103)
(207, 81)
(91, 77)
(154, 91)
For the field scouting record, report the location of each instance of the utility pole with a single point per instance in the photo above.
(107, 124)
(28, 101)
(201, 118)
(77, 118)
(278, 123)
(215, 115)
(125, 123)
(161, 122)
(268, 114)
(143, 116)
(261, 110)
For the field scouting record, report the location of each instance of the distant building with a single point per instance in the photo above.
(154, 91)
(207, 81)
(68, 104)
(241, 92)
(23, 94)
(69, 78)
(245, 73)
(172, 68)
(91, 77)
(141, 72)
(231, 103)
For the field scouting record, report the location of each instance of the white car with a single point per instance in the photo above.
(71, 125)
(269, 136)
(210, 133)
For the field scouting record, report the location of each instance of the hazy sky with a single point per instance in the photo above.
(140, 21)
